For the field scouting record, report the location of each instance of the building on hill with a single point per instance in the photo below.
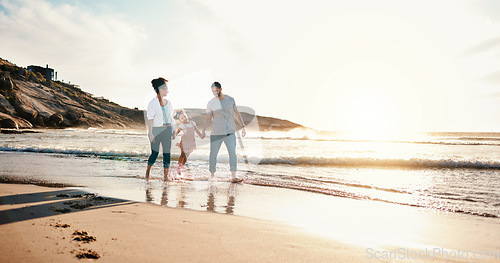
(47, 72)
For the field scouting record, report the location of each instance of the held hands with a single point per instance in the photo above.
(203, 134)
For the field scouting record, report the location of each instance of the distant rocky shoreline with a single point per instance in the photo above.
(29, 101)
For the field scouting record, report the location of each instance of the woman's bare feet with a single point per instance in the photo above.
(165, 174)
(148, 171)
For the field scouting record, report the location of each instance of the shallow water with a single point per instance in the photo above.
(456, 172)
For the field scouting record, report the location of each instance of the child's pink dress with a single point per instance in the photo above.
(188, 142)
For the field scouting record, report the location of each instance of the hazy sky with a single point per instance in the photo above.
(330, 65)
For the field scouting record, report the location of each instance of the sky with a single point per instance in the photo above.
(371, 66)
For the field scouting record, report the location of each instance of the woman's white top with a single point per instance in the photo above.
(154, 112)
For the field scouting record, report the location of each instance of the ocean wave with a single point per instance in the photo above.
(108, 131)
(303, 186)
(331, 181)
(479, 138)
(371, 162)
(465, 141)
(285, 160)
(82, 153)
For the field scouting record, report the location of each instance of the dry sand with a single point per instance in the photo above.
(40, 224)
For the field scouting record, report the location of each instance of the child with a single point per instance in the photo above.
(188, 142)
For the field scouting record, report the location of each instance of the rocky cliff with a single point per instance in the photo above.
(264, 123)
(28, 100)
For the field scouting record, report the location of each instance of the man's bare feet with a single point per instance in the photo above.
(236, 180)
(212, 177)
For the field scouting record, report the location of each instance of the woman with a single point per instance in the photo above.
(159, 122)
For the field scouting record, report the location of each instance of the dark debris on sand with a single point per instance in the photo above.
(83, 236)
(5, 179)
(61, 225)
(86, 195)
(88, 254)
(77, 205)
(61, 210)
(86, 200)
(89, 195)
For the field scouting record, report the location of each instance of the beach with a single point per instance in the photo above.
(302, 200)
(137, 232)
(39, 225)
(365, 131)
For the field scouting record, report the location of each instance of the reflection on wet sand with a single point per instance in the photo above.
(182, 196)
(211, 197)
(187, 195)
(231, 200)
(230, 194)
(149, 196)
(164, 194)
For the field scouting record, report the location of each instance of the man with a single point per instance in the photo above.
(221, 112)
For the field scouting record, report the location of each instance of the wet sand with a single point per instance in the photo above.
(41, 224)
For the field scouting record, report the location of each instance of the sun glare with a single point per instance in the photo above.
(370, 115)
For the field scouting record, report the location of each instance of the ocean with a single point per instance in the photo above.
(448, 172)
